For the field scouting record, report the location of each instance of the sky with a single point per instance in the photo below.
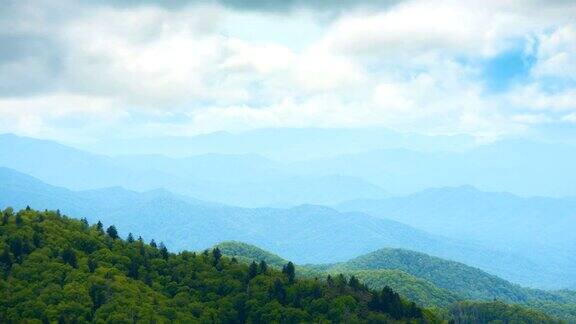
(78, 71)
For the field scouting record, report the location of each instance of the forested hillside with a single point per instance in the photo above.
(56, 269)
(431, 282)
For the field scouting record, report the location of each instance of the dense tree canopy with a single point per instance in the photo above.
(56, 269)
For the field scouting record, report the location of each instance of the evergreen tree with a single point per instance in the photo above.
(5, 258)
(278, 291)
(354, 283)
(153, 244)
(252, 270)
(263, 267)
(19, 219)
(130, 238)
(84, 223)
(133, 269)
(289, 271)
(92, 265)
(112, 232)
(216, 254)
(163, 251)
(69, 257)
(100, 227)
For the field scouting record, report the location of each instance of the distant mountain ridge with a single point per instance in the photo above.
(537, 227)
(244, 180)
(326, 235)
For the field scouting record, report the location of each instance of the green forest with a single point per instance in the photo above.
(452, 289)
(56, 269)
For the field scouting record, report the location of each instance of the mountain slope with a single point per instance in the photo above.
(419, 277)
(464, 280)
(326, 235)
(535, 227)
(55, 269)
(248, 253)
(416, 289)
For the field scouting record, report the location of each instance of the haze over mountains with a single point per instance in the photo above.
(325, 234)
(189, 202)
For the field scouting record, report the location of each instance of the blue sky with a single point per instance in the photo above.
(79, 71)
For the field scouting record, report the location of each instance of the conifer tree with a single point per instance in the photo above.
(263, 267)
(19, 219)
(92, 265)
(217, 254)
(100, 227)
(69, 256)
(163, 251)
(289, 271)
(112, 232)
(5, 258)
(252, 270)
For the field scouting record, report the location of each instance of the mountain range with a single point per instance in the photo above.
(326, 234)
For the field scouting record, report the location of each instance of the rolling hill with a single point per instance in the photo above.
(536, 227)
(427, 280)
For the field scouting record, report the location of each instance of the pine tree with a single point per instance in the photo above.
(5, 258)
(69, 257)
(133, 269)
(278, 291)
(354, 283)
(217, 254)
(130, 238)
(163, 251)
(112, 232)
(92, 265)
(19, 220)
(252, 270)
(153, 244)
(289, 271)
(84, 223)
(100, 227)
(263, 267)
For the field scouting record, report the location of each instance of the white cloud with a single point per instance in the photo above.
(533, 97)
(556, 53)
(414, 66)
(570, 118)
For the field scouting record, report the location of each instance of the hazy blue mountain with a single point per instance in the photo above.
(325, 234)
(246, 180)
(520, 167)
(541, 229)
(489, 217)
(285, 144)
(517, 166)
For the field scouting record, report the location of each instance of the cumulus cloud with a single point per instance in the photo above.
(182, 68)
(556, 53)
